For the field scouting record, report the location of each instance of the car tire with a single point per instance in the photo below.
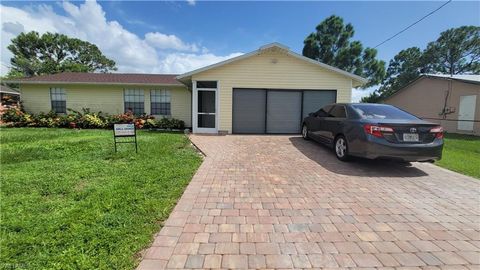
(305, 132)
(340, 147)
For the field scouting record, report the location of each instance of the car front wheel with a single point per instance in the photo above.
(341, 148)
(305, 132)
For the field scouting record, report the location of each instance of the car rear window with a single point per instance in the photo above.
(381, 112)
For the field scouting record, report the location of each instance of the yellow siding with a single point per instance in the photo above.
(181, 104)
(105, 98)
(271, 69)
(35, 98)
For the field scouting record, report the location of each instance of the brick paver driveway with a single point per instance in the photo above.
(281, 202)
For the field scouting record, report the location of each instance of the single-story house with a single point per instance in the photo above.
(268, 90)
(452, 101)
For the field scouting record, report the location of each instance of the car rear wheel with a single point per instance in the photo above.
(341, 148)
(305, 132)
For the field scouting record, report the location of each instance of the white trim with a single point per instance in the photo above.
(287, 51)
(195, 128)
(194, 106)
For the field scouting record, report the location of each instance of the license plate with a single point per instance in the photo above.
(410, 137)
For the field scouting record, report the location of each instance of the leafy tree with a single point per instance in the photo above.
(374, 97)
(456, 51)
(405, 67)
(332, 45)
(50, 53)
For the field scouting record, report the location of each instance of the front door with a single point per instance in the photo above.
(205, 107)
(466, 113)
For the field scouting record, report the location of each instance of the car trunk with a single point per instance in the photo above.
(412, 132)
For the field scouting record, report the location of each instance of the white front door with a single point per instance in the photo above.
(205, 110)
(466, 112)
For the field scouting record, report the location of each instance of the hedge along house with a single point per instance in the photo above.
(265, 91)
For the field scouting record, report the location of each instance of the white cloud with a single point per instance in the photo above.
(184, 62)
(163, 41)
(155, 53)
(191, 2)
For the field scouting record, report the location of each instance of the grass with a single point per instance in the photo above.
(461, 153)
(69, 202)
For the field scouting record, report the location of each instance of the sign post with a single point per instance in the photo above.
(125, 131)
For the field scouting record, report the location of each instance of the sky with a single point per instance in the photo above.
(179, 36)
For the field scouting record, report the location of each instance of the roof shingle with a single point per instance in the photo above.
(104, 78)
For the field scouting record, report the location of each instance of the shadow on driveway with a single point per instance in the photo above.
(325, 157)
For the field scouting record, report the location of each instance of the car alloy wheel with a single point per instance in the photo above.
(305, 132)
(341, 148)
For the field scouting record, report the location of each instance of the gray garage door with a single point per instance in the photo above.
(275, 111)
(249, 110)
(314, 100)
(284, 110)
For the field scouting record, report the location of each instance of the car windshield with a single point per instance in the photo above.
(381, 112)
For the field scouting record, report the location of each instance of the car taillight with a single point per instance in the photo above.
(377, 130)
(438, 132)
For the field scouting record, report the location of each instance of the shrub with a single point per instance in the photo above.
(15, 117)
(177, 123)
(171, 123)
(150, 123)
(11, 115)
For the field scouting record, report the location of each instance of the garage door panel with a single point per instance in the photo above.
(284, 111)
(315, 100)
(249, 110)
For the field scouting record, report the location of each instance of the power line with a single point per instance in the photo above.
(408, 27)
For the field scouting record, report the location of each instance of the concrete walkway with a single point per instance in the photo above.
(280, 202)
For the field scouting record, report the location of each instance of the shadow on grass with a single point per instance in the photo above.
(325, 157)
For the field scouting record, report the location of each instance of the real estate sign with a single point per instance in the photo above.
(123, 131)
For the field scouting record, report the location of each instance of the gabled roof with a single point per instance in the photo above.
(464, 78)
(357, 79)
(101, 78)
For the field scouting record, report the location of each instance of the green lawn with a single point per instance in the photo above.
(461, 153)
(69, 202)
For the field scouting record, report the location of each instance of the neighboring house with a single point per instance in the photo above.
(454, 102)
(266, 91)
(8, 96)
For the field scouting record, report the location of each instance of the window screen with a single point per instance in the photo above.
(134, 101)
(58, 98)
(160, 102)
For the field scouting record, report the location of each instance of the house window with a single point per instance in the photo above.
(59, 100)
(160, 102)
(207, 84)
(134, 101)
